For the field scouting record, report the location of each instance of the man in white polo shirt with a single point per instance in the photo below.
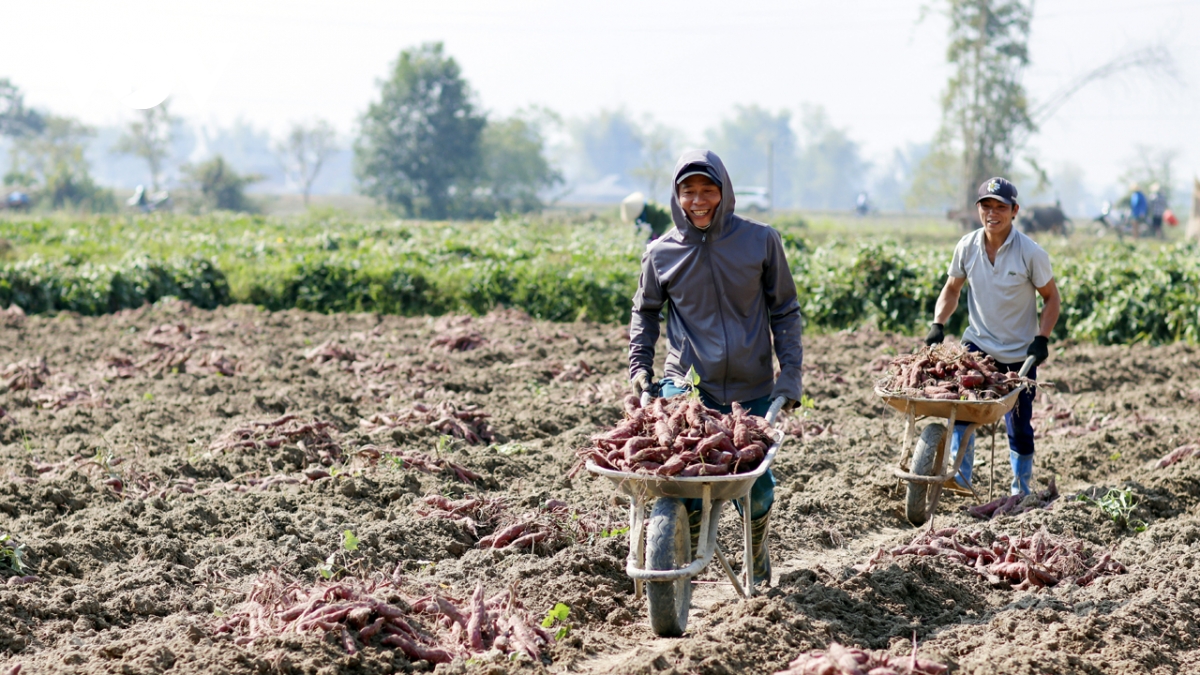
(1006, 271)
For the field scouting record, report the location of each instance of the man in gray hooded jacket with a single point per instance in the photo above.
(729, 296)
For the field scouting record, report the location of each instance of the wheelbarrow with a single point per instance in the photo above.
(927, 472)
(660, 559)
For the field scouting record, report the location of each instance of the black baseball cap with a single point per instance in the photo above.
(698, 170)
(999, 189)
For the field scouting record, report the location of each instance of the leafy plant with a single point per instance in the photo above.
(693, 381)
(12, 555)
(1118, 505)
(558, 615)
(340, 560)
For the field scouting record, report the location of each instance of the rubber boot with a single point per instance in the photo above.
(964, 472)
(758, 548)
(1022, 467)
(694, 518)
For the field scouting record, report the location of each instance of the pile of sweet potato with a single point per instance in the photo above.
(681, 437)
(947, 372)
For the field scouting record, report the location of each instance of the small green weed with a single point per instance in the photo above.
(559, 614)
(12, 555)
(1118, 505)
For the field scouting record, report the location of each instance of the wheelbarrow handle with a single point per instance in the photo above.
(1029, 361)
(773, 411)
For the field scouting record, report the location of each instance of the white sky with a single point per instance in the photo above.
(870, 63)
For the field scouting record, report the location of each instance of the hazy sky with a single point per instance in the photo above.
(872, 64)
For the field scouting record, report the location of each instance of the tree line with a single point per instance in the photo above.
(426, 149)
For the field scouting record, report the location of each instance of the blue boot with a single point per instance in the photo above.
(964, 472)
(1022, 467)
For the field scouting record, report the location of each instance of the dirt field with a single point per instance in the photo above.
(147, 518)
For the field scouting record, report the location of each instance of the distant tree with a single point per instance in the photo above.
(51, 164)
(149, 137)
(219, 186)
(831, 169)
(985, 110)
(748, 139)
(515, 165)
(420, 144)
(660, 146)
(1147, 166)
(15, 119)
(303, 152)
(607, 144)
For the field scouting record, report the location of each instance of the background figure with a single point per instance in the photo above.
(862, 204)
(650, 219)
(1138, 208)
(1157, 207)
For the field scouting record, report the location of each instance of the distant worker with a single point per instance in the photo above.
(1158, 207)
(651, 220)
(1005, 271)
(862, 204)
(1138, 208)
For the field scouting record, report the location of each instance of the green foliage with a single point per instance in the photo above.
(693, 382)
(219, 186)
(43, 286)
(561, 271)
(515, 167)
(558, 614)
(1117, 505)
(51, 164)
(12, 555)
(420, 144)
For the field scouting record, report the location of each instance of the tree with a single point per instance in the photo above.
(220, 187)
(985, 111)
(50, 163)
(515, 166)
(420, 143)
(15, 119)
(751, 137)
(607, 144)
(149, 137)
(1150, 165)
(303, 151)
(659, 149)
(831, 170)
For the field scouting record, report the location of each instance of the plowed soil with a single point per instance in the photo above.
(145, 524)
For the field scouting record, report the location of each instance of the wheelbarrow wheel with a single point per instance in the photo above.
(668, 547)
(916, 505)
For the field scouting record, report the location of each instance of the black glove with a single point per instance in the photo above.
(1039, 349)
(937, 333)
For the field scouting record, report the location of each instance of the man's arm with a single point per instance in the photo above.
(947, 300)
(786, 325)
(644, 324)
(1052, 305)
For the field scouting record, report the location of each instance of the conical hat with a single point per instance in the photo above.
(632, 207)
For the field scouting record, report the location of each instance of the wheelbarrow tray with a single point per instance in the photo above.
(645, 486)
(975, 412)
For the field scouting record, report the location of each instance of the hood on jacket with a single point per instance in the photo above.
(691, 160)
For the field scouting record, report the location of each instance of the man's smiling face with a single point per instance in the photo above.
(996, 216)
(699, 198)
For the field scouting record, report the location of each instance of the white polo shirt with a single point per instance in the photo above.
(1002, 297)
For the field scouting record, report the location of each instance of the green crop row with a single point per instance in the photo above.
(560, 270)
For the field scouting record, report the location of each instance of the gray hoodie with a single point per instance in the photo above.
(727, 291)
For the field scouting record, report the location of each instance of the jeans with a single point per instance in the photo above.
(1019, 420)
(762, 494)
